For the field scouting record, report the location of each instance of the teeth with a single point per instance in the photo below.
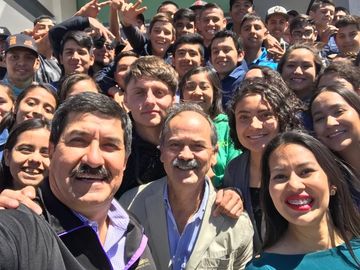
(300, 201)
(31, 171)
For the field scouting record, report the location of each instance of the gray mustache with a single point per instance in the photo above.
(185, 164)
(84, 169)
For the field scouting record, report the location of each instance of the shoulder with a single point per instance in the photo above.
(138, 195)
(239, 161)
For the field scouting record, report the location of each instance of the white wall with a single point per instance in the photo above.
(16, 19)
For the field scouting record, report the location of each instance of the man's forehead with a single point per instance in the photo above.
(226, 40)
(211, 12)
(83, 118)
(45, 21)
(188, 47)
(253, 22)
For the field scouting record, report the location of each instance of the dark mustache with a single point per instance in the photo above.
(191, 164)
(99, 172)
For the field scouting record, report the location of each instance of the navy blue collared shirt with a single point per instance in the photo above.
(231, 82)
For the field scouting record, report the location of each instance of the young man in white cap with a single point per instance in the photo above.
(277, 23)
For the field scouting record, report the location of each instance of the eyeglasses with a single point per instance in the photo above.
(300, 34)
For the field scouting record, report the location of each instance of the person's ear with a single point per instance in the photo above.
(37, 63)
(241, 55)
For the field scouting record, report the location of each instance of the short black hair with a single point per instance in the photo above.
(184, 13)
(348, 20)
(232, 2)
(318, 3)
(164, 3)
(94, 103)
(80, 37)
(194, 38)
(344, 9)
(228, 33)
(44, 17)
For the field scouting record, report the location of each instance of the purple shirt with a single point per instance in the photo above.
(114, 245)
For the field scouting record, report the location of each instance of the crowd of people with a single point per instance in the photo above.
(198, 141)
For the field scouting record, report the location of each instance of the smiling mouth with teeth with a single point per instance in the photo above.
(300, 202)
(32, 171)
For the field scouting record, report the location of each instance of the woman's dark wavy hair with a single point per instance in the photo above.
(30, 124)
(9, 120)
(344, 215)
(216, 107)
(282, 101)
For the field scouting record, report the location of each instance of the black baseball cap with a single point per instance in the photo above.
(21, 41)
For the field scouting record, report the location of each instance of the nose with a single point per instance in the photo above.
(186, 153)
(75, 55)
(93, 156)
(221, 53)
(187, 56)
(295, 183)
(256, 123)
(35, 158)
(298, 70)
(37, 112)
(331, 121)
(211, 22)
(197, 91)
(150, 98)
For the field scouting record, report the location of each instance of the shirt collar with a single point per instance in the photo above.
(200, 212)
(118, 217)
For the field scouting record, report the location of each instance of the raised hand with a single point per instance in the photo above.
(128, 12)
(100, 30)
(92, 8)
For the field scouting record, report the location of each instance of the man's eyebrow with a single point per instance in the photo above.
(82, 133)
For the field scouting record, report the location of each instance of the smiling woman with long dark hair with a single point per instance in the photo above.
(310, 219)
(26, 155)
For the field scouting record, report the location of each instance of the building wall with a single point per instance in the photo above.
(17, 19)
